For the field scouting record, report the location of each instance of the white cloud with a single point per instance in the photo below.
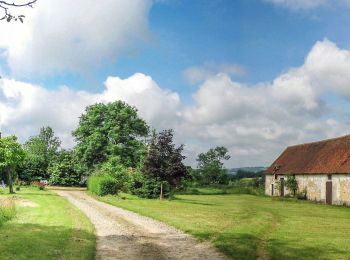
(24, 108)
(73, 36)
(299, 4)
(255, 122)
(197, 74)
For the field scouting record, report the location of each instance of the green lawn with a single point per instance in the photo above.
(248, 227)
(53, 229)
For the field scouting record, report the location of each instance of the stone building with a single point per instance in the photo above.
(322, 169)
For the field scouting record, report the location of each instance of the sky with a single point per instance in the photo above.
(252, 75)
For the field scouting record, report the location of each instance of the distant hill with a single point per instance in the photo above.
(234, 171)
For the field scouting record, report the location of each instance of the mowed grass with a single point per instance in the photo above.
(46, 226)
(250, 227)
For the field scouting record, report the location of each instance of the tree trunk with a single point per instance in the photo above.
(9, 176)
(161, 191)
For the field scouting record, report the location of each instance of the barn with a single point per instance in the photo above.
(322, 169)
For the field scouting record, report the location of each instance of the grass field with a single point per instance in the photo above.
(45, 227)
(250, 227)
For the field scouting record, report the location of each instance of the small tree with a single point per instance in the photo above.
(11, 155)
(210, 165)
(292, 184)
(164, 161)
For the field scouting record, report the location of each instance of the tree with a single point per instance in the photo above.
(292, 184)
(110, 130)
(11, 155)
(211, 166)
(6, 6)
(41, 151)
(164, 161)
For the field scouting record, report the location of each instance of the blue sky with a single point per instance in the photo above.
(265, 39)
(254, 75)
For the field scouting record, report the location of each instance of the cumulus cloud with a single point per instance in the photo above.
(73, 36)
(197, 74)
(256, 122)
(24, 108)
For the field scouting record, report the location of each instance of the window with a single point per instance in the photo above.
(329, 177)
(275, 176)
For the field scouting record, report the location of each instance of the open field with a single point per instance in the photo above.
(46, 226)
(250, 227)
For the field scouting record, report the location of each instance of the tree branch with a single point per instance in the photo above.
(5, 6)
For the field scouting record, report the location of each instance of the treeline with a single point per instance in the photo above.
(115, 151)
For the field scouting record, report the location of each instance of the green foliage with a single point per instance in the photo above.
(63, 170)
(102, 185)
(164, 161)
(41, 151)
(292, 184)
(115, 169)
(11, 156)
(110, 130)
(7, 210)
(211, 167)
(145, 187)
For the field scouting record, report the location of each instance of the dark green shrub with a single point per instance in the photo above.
(146, 187)
(102, 185)
(302, 195)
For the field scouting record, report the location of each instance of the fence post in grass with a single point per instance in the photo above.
(161, 191)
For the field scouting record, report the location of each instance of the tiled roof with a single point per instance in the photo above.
(326, 157)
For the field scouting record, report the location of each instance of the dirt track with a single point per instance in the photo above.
(122, 234)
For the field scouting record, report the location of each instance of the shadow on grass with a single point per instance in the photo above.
(31, 241)
(182, 200)
(247, 246)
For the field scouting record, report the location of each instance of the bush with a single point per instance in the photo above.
(63, 171)
(7, 210)
(302, 195)
(103, 185)
(145, 187)
(115, 169)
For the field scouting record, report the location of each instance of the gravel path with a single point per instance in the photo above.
(122, 234)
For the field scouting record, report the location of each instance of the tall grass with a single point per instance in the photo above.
(7, 210)
(102, 185)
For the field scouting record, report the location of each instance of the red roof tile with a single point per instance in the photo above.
(327, 157)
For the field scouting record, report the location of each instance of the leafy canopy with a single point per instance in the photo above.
(110, 130)
(164, 161)
(11, 153)
(41, 151)
(210, 165)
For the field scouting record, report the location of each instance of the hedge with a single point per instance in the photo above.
(102, 185)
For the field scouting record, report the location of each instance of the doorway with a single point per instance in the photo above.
(282, 187)
(329, 192)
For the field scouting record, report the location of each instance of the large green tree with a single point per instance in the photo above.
(110, 130)
(41, 151)
(164, 161)
(211, 166)
(11, 156)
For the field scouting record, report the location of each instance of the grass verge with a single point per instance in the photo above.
(46, 226)
(250, 227)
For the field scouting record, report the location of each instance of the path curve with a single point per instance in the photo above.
(122, 234)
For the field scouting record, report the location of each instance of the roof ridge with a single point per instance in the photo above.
(322, 141)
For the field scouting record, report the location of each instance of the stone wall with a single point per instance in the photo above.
(315, 186)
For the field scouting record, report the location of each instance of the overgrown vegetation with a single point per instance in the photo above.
(7, 210)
